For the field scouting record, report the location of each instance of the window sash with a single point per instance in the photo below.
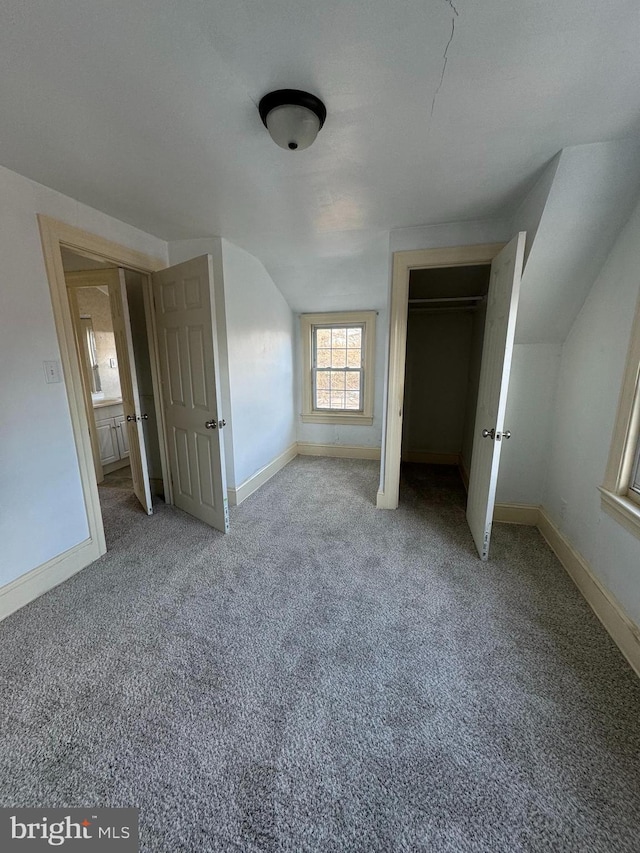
(315, 370)
(314, 389)
(634, 481)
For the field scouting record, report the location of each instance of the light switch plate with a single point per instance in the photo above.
(52, 371)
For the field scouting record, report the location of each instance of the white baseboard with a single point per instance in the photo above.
(35, 583)
(624, 632)
(338, 450)
(382, 501)
(517, 514)
(242, 492)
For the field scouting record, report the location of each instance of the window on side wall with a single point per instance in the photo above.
(621, 488)
(338, 356)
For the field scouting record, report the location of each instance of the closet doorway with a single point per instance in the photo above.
(445, 333)
(497, 350)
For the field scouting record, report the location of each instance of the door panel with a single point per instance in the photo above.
(497, 351)
(190, 389)
(132, 426)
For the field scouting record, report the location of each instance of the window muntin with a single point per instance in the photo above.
(338, 368)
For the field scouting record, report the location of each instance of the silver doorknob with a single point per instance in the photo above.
(222, 423)
(144, 417)
(211, 424)
(131, 417)
(488, 433)
(506, 434)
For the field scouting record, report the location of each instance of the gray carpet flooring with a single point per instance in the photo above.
(327, 677)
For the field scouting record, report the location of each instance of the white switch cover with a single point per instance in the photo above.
(52, 371)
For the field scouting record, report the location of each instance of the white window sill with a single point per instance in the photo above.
(622, 509)
(337, 418)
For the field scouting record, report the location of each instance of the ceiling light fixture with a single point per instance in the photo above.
(293, 118)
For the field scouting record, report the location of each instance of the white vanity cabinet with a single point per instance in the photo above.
(111, 426)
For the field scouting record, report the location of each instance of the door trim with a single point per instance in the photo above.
(403, 263)
(55, 234)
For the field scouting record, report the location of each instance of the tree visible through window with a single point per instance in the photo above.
(338, 368)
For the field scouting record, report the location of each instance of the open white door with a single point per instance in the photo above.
(129, 387)
(497, 351)
(187, 346)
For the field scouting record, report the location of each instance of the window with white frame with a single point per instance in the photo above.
(621, 489)
(338, 356)
(634, 485)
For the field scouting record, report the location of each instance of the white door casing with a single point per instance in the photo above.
(129, 388)
(497, 352)
(187, 345)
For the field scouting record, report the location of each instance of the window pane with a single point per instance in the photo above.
(337, 399)
(353, 381)
(354, 358)
(338, 337)
(338, 358)
(323, 358)
(635, 477)
(323, 338)
(322, 379)
(354, 338)
(323, 399)
(353, 400)
(337, 380)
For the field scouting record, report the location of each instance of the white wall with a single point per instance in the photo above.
(260, 348)
(41, 504)
(591, 370)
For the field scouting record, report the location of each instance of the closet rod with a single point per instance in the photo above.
(447, 299)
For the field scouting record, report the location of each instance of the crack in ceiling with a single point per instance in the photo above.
(445, 55)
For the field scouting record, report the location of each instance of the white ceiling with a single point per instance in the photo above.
(147, 111)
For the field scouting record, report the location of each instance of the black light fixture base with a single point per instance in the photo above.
(293, 97)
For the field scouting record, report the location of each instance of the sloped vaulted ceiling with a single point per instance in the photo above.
(438, 110)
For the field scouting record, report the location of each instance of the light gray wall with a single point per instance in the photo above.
(260, 347)
(593, 192)
(436, 381)
(591, 371)
(530, 402)
(42, 511)
(255, 329)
